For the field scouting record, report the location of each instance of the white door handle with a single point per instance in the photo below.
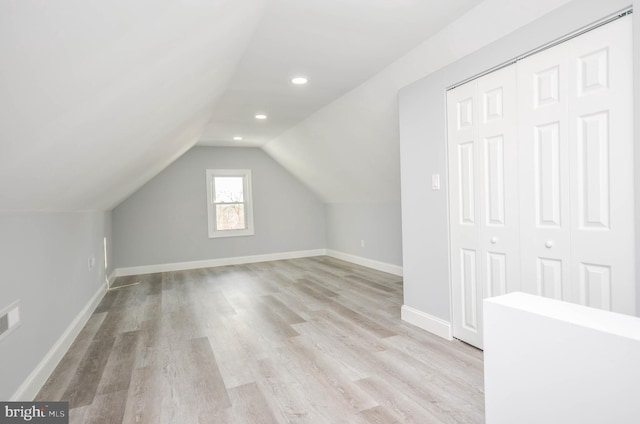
(494, 240)
(549, 244)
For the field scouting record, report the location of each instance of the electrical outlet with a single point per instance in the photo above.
(13, 316)
(91, 263)
(361, 243)
(9, 319)
(435, 182)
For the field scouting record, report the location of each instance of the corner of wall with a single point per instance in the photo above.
(427, 322)
(369, 263)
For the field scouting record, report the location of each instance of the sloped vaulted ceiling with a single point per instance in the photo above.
(97, 96)
(338, 134)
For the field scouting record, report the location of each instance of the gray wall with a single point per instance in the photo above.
(108, 233)
(423, 148)
(166, 220)
(636, 135)
(44, 263)
(378, 224)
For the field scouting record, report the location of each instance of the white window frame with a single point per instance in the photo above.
(211, 205)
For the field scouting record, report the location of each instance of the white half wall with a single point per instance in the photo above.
(553, 362)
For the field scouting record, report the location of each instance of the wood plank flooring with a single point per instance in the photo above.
(313, 340)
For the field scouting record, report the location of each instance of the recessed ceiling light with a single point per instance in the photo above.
(299, 80)
(261, 116)
(237, 138)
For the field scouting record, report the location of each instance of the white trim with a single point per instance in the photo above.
(209, 263)
(590, 27)
(427, 322)
(239, 260)
(448, 219)
(34, 382)
(112, 278)
(369, 263)
(245, 174)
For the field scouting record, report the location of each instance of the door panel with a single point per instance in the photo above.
(595, 286)
(493, 108)
(465, 220)
(465, 113)
(499, 191)
(496, 275)
(494, 180)
(483, 202)
(547, 175)
(602, 193)
(543, 174)
(467, 177)
(549, 278)
(593, 171)
(469, 288)
(593, 72)
(546, 89)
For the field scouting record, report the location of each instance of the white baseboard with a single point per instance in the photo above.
(427, 322)
(239, 260)
(369, 263)
(34, 382)
(112, 277)
(209, 263)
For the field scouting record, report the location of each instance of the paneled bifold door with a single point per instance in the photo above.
(483, 155)
(541, 179)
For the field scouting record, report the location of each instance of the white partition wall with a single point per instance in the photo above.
(548, 361)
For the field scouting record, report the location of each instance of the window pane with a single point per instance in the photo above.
(229, 189)
(230, 217)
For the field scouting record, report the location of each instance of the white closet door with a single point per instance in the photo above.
(497, 135)
(576, 159)
(601, 154)
(543, 164)
(483, 202)
(466, 274)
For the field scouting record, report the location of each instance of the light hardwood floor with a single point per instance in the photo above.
(313, 340)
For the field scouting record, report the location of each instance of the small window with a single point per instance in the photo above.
(229, 206)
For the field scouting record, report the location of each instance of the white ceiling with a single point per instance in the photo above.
(349, 150)
(337, 44)
(96, 97)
